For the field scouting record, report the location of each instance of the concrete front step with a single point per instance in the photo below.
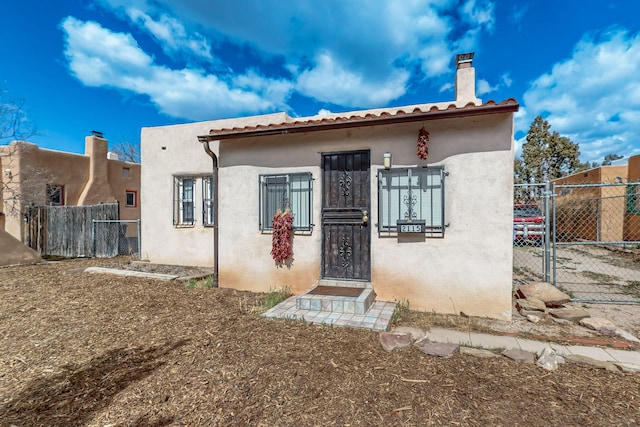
(338, 304)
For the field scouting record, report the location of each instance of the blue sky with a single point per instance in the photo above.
(119, 65)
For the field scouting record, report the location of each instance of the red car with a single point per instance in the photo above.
(528, 224)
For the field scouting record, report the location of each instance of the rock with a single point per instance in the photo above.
(587, 361)
(444, 350)
(478, 352)
(417, 334)
(540, 314)
(391, 341)
(561, 321)
(520, 355)
(628, 367)
(545, 292)
(569, 313)
(530, 304)
(548, 359)
(597, 323)
(626, 335)
(533, 318)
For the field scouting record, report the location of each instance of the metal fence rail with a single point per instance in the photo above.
(591, 245)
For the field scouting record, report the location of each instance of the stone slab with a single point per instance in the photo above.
(489, 341)
(627, 367)
(597, 323)
(532, 345)
(571, 314)
(588, 361)
(416, 333)
(623, 356)
(520, 356)
(478, 352)
(547, 293)
(448, 335)
(626, 335)
(440, 349)
(130, 273)
(391, 341)
(591, 352)
(530, 304)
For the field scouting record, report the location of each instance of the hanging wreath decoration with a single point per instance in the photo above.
(282, 237)
(423, 144)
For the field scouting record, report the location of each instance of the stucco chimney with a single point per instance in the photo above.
(465, 80)
(97, 189)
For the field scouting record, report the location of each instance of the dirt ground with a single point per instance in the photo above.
(84, 349)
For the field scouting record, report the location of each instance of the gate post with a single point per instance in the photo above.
(547, 233)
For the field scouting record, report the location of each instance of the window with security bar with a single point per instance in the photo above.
(207, 200)
(411, 200)
(286, 191)
(184, 200)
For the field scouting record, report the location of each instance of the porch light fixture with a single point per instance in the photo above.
(387, 160)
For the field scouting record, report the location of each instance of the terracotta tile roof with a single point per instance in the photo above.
(363, 118)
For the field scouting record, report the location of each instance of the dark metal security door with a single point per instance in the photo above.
(345, 216)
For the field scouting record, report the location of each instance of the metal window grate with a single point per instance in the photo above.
(183, 200)
(286, 191)
(414, 195)
(207, 200)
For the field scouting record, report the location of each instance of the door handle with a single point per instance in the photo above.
(365, 216)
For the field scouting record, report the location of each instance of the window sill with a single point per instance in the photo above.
(184, 225)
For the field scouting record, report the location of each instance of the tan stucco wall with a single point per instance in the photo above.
(606, 224)
(12, 251)
(632, 221)
(32, 168)
(469, 270)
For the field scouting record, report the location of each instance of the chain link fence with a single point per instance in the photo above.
(116, 237)
(596, 236)
(590, 247)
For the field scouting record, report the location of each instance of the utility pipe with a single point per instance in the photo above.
(214, 201)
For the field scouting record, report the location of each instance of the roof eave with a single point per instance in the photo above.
(510, 106)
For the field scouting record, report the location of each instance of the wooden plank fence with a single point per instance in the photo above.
(69, 231)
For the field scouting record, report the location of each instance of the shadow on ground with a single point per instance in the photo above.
(73, 396)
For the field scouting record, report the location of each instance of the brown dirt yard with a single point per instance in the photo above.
(100, 350)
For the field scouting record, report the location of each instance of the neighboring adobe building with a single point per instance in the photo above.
(33, 175)
(601, 204)
(413, 201)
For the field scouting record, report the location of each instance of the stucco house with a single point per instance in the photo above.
(33, 175)
(415, 202)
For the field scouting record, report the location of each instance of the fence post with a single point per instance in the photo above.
(547, 234)
(139, 241)
(93, 238)
(553, 221)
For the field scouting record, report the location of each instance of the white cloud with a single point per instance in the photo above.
(99, 57)
(374, 46)
(593, 97)
(171, 34)
(483, 87)
(333, 51)
(329, 81)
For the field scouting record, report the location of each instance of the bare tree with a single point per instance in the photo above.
(126, 150)
(18, 184)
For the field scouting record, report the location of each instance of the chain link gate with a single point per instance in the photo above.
(590, 246)
(531, 243)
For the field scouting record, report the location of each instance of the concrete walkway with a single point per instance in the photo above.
(502, 342)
